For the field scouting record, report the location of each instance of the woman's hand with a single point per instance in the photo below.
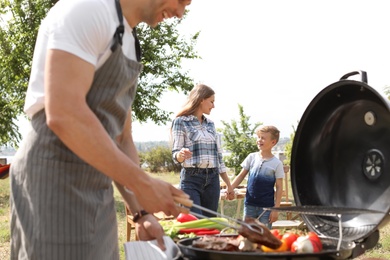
(148, 228)
(183, 154)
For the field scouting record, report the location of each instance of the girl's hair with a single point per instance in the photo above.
(269, 129)
(197, 95)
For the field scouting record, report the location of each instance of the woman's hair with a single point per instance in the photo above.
(269, 129)
(197, 95)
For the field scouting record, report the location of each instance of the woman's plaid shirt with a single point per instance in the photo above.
(202, 140)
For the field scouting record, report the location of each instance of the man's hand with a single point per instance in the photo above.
(148, 228)
(156, 195)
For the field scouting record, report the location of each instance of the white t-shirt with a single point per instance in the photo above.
(84, 28)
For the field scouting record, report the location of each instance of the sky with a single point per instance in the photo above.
(274, 57)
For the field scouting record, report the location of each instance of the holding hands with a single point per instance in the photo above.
(230, 194)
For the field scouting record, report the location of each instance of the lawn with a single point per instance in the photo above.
(382, 249)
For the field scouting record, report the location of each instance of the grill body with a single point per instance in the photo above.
(340, 158)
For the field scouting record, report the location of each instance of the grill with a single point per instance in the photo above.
(340, 173)
(340, 160)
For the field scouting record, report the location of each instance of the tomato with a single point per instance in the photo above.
(290, 238)
(307, 244)
(313, 235)
(315, 240)
(185, 217)
(302, 245)
(276, 233)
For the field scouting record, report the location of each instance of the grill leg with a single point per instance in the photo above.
(368, 243)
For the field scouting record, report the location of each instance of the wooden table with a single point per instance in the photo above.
(240, 195)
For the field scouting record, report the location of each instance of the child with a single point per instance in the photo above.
(265, 173)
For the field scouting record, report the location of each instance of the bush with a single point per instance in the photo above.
(159, 159)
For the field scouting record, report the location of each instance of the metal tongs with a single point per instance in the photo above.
(189, 204)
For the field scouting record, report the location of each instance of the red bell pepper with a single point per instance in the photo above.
(185, 217)
(208, 232)
(200, 231)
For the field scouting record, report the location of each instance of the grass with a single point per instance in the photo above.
(381, 250)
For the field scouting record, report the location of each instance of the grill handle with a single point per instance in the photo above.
(362, 73)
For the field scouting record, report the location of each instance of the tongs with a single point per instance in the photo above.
(189, 204)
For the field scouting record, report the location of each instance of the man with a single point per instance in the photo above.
(82, 85)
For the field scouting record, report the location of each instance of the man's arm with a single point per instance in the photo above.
(67, 82)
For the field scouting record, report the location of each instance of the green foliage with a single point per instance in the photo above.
(288, 148)
(387, 92)
(163, 53)
(146, 146)
(159, 159)
(239, 139)
(18, 30)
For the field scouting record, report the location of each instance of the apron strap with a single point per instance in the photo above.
(120, 31)
(118, 35)
(137, 45)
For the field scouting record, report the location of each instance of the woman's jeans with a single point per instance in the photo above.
(255, 212)
(203, 187)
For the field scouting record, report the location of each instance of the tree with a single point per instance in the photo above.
(164, 50)
(18, 30)
(387, 92)
(163, 53)
(239, 139)
(159, 159)
(288, 148)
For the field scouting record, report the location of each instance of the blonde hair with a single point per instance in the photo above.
(269, 129)
(196, 96)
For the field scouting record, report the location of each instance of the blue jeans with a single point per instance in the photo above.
(255, 212)
(203, 187)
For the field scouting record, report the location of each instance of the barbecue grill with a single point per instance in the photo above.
(340, 159)
(339, 173)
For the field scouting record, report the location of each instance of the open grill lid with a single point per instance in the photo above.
(340, 158)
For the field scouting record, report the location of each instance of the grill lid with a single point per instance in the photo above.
(340, 158)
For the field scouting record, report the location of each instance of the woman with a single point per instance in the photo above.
(197, 147)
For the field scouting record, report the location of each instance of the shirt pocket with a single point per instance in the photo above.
(194, 135)
(211, 132)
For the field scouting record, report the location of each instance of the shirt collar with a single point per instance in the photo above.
(192, 118)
